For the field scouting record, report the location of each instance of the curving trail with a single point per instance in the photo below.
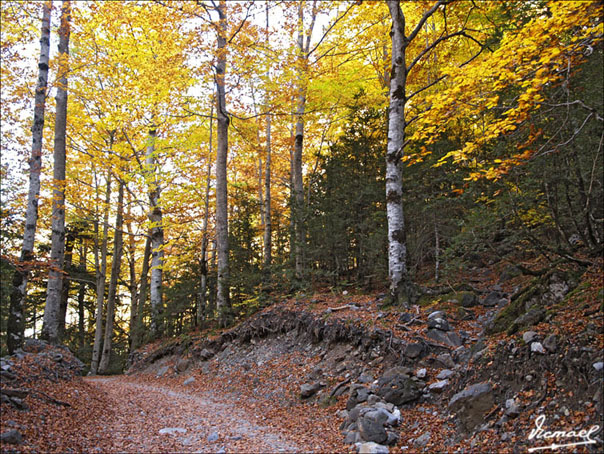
(200, 421)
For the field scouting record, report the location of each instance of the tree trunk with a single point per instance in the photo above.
(50, 328)
(268, 227)
(16, 317)
(69, 244)
(137, 336)
(116, 265)
(101, 270)
(201, 307)
(222, 226)
(397, 243)
(81, 296)
(157, 240)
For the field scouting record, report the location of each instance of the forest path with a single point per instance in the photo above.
(199, 421)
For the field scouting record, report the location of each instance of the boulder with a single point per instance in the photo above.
(397, 387)
(450, 338)
(439, 323)
(414, 350)
(471, 404)
(358, 394)
(310, 389)
(372, 426)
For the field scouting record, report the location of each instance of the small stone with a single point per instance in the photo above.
(414, 350)
(444, 374)
(536, 347)
(366, 377)
(439, 323)
(529, 378)
(162, 371)
(12, 437)
(172, 430)
(310, 389)
(372, 448)
(529, 336)
(512, 408)
(212, 437)
(551, 343)
(492, 299)
(189, 380)
(598, 366)
(422, 440)
(445, 360)
(437, 314)
(421, 373)
(439, 386)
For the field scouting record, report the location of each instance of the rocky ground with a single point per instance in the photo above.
(473, 368)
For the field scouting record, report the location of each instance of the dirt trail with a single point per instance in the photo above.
(200, 422)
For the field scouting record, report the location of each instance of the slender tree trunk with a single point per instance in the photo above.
(133, 286)
(201, 308)
(69, 244)
(268, 226)
(16, 317)
(101, 270)
(157, 240)
(397, 243)
(116, 265)
(298, 182)
(222, 222)
(50, 328)
(81, 296)
(137, 337)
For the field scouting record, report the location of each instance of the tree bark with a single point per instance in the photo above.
(116, 265)
(142, 297)
(268, 226)
(69, 244)
(397, 243)
(16, 317)
(201, 307)
(101, 270)
(81, 296)
(157, 240)
(222, 226)
(50, 328)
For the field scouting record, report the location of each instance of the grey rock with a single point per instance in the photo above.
(439, 323)
(537, 347)
(372, 448)
(221, 450)
(172, 430)
(422, 440)
(352, 437)
(421, 373)
(405, 317)
(206, 354)
(529, 336)
(471, 404)
(492, 299)
(512, 409)
(212, 437)
(12, 436)
(310, 389)
(462, 354)
(445, 360)
(365, 378)
(182, 365)
(450, 338)
(444, 374)
(189, 380)
(414, 350)
(371, 427)
(358, 394)
(532, 317)
(468, 299)
(439, 386)
(397, 387)
(598, 366)
(551, 343)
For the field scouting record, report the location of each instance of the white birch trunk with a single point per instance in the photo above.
(157, 240)
(16, 318)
